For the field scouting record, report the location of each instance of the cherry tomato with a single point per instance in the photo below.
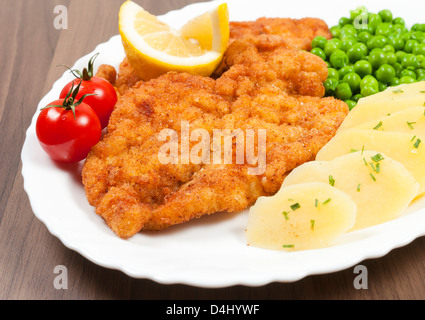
(104, 96)
(67, 130)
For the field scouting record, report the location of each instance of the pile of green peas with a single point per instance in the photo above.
(366, 58)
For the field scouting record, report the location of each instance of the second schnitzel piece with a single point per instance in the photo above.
(264, 33)
(272, 33)
(279, 92)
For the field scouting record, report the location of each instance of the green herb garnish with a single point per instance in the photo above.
(331, 181)
(377, 157)
(410, 124)
(312, 224)
(288, 246)
(295, 206)
(416, 145)
(378, 126)
(327, 201)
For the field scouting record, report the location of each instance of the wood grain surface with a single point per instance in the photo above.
(30, 50)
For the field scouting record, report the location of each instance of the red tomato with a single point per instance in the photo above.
(102, 102)
(66, 138)
(102, 94)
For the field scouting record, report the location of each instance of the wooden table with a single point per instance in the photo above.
(30, 50)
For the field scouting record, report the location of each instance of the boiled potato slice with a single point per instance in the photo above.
(386, 102)
(408, 149)
(300, 217)
(410, 120)
(381, 187)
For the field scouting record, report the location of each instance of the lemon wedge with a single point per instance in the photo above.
(154, 48)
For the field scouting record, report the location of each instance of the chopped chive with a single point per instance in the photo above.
(398, 91)
(377, 157)
(312, 224)
(362, 150)
(327, 201)
(422, 91)
(353, 150)
(378, 126)
(290, 199)
(295, 206)
(373, 177)
(416, 145)
(285, 214)
(365, 162)
(358, 187)
(316, 203)
(413, 138)
(410, 124)
(331, 180)
(288, 246)
(374, 167)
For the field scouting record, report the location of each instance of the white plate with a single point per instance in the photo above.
(210, 252)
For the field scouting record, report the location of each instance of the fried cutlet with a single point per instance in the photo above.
(265, 33)
(272, 33)
(279, 91)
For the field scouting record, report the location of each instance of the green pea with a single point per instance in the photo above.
(364, 36)
(377, 58)
(374, 21)
(369, 90)
(386, 15)
(345, 70)
(363, 68)
(383, 29)
(353, 80)
(395, 82)
(397, 43)
(419, 49)
(357, 97)
(391, 57)
(399, 20)
(422, 78)
(351, 104)
(335, 31)
(418, 36)
(377, 42)
(407, 79)
(406, 35)
(400, 55)
(330, 85)
(319, 42)
(386, 73)
(416, 27)
(369, 81)
(410, 61)
(410, 45)
(420, 73)
(399, 28)
(338, 59)
(388, 48)
(347, 43)
(343, 21)
(333, 73)
(332, 45)
(398, 69)
(408, 73)
(382, 86)
(357, 52)
(343, 91)
(319, 52)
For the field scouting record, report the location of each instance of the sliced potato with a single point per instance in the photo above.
(408, 149)
(300, 217)
(382, 188)
(386, 102)
(410, 120)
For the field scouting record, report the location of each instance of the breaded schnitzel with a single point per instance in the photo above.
(265, 33)
(280, 91)
(272, 33)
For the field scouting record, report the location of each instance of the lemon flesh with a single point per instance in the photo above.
(154, 48)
